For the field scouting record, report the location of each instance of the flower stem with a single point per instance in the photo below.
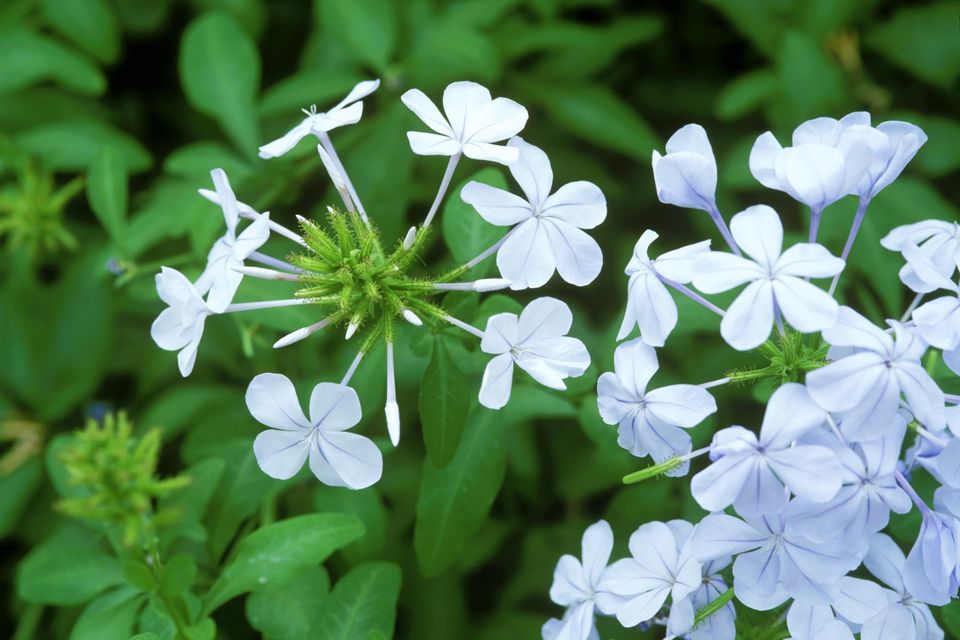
(328, 147)
(693, 295)
(724, 230)
(352, 369)
(714, 383)
(913, 305)
(444, 184)
(851, 237)
(815, 215)
(665, 466)
(463, 325)
(908, 488)
(483, 255)
(265, 304)
(270, 261)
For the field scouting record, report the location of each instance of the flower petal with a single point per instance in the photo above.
(578, 256)
(424, 108)
(526, 258)
(496, 206)
(432, 144)
(281, 454)
(759, 233)
(748, 321)
(717, 271)
(334, 407)
(532, 171)
(497, 381)
(808, 261)
(354, 459)
(580, 203)
(544, 317)
(272, 401)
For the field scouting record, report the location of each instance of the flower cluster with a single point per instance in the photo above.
(353, 279)
(798, 505)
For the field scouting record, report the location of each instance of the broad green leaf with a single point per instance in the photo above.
(191, 503)
(195, 161)
(16, 490)
(238, 496)
(746, 93)
(922, 39)
(109, 617)
(368, 28)
(596, 114)
(465, 232)
(220, 72)
(448, 51)
(28, 58)
(276, 553)
(75, 144)
(107, 192)
(67, 568)
(454, 501)
(362, 605)
(811, 83)
(444, 405)
(288, 611)
(367, 505)
(90, 24)
(177, 575)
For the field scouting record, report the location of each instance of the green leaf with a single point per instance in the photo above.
(220, 72)
(465, 232)
(310, 86)
(109, 617)
(67, 568)
(75, 144)
(288, 611)
(598, 115)
(367, 505)
(279, 551)
(195, 161)
(177, 575)
(811, 83)
(448, 51)
(454, 501)
(16, 490)
(190, 503)
(368, 28)
(362, 604)
(923, 40)
(746, 93)
(107, 192)
(28, 58)
(444, 405)
(90, 24)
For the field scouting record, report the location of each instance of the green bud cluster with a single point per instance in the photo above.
(31, 212)
(115, 476)
(348, 271)
(788, 360)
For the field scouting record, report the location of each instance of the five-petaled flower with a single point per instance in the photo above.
(547, 233)
(537, 342)
(474, 122)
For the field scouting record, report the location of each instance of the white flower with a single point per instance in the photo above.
(827, 161)
(938, 240)
(473, 122)
(866, 385)
(548, 234)
(179, 327)
(536, 341)
(776, 280)
(662, 565)
(337, 458)
(575, 585)
(937, 321)
(751, 472)
(649, 304)
(347, 111)
(221, 279)
(651, 422)
(892, 150)
(687, 175)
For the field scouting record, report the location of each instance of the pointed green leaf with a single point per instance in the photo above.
(90, 24)
(444, 405)
(220, 72)
(362, 604)
(455, 500)
(68, 568)
(107, 192)
(280, 551)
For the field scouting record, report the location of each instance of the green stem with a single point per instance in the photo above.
(715, 605)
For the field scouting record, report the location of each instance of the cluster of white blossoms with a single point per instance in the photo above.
(798, 505)
(348, 275)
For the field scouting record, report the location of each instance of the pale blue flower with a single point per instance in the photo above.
(722, 624)
(862, 505)
(576, 583)
(857, 601)
(651, 422)
(865, 385)
(687, 175)
(775, 562)
(662, 565)
(905, 616)
(751, 472)
(930, 571)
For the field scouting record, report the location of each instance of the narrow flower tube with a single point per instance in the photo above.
(391, 409)
(301, 333)
(266, 274)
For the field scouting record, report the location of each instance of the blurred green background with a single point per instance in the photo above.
(113, 112)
